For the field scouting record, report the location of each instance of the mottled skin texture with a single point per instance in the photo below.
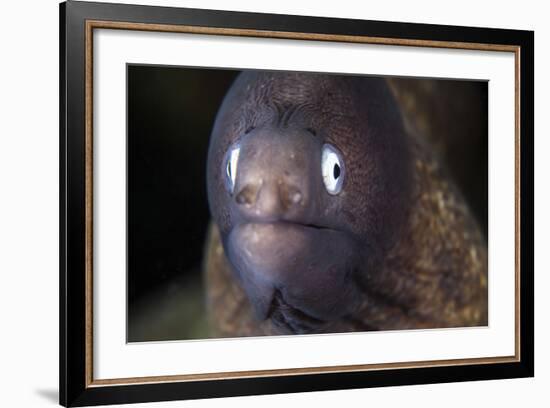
(397, 248)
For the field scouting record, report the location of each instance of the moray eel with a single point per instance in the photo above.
(331, 216)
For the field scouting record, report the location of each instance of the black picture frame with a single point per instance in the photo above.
(76, 387)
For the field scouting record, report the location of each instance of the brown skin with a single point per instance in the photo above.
(395, 249)
(451, 116)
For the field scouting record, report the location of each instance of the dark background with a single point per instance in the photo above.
(170, 115)
(171, 111)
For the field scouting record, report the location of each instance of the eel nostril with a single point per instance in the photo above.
(291, 195)
(296, 197)
(246, 196)
(270, 198)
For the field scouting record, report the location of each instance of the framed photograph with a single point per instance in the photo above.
(255, 203)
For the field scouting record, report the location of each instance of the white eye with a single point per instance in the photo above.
(231, 167)
(332, 169)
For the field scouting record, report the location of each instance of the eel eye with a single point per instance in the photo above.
(332, 169)
(231, 167)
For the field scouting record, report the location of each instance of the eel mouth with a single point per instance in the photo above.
(276, 228)
(263, 246)
(294, 274)
(301, 224)
(292, 319)
(287, 224)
